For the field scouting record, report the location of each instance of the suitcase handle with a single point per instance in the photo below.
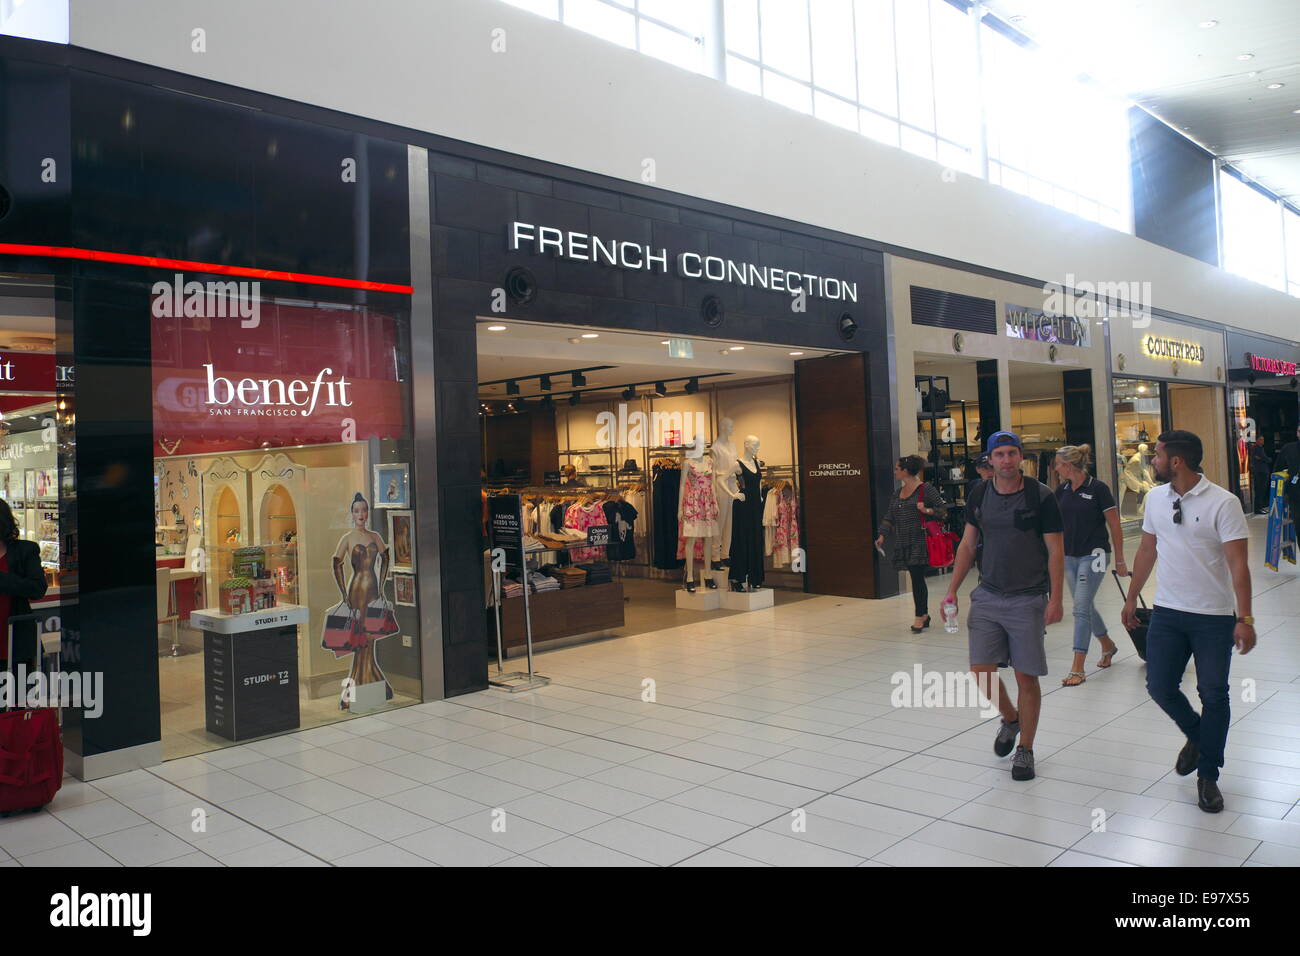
(1122, 592)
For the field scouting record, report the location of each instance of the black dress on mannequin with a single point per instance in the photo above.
(747, 530)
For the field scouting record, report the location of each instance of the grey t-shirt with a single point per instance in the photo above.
(1014, 556)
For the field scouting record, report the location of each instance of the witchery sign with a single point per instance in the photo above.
(624, 254)
(1040, 326)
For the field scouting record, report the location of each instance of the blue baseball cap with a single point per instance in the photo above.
(998, 439)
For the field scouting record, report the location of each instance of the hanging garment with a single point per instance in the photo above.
(770, 497)
(787, 527)
(620, 516)
(699, 502)
(747, 529)
(667, 482)
(581, 518)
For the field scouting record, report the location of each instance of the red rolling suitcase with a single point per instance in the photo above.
(31, 747)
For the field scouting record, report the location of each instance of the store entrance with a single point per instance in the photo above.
(1271, 413)
(596, 428)
(36, 463)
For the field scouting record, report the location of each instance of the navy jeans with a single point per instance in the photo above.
(1175, 636)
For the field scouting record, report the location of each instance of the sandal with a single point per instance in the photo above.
(918, 630)
(1104, 660)
(1070, 680)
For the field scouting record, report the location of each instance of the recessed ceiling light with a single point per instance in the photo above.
(1276, 86)
(736, 348)
(1209, 24)
(591, 335)
(664, 342)
(796, 353)
(1253, 73)
(1296, 112)
(496, 328)
(1245, 56)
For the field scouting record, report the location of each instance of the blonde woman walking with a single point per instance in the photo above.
(1091, 523)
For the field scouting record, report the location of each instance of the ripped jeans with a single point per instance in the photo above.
(1083, 582)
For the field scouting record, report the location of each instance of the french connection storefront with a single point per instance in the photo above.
(270, 316)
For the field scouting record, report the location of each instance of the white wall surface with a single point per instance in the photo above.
(560, 95)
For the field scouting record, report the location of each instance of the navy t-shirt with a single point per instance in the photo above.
(1083, 513)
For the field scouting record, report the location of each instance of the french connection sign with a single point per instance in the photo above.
(638, 257)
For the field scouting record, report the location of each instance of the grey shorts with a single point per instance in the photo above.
(1008, 629)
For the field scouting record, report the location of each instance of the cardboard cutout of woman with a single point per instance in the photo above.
(364, 615)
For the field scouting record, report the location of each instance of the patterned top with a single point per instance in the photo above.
(905, 521)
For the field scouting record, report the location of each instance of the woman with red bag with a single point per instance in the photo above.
(915, 504)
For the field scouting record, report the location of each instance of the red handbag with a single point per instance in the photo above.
(940, 545)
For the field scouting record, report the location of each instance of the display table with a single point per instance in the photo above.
(567, 612)
(250, 670)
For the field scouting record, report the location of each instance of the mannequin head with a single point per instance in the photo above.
(725, 426)
(1142, 449)
(751, 446)
(695, 449)
(360, 512)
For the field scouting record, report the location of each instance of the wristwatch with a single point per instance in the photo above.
(1247, 620)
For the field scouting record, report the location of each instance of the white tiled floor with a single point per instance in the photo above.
(758, 716)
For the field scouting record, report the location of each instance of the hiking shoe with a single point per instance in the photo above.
(1022, 764)
(1006, 738)
(1187, 758)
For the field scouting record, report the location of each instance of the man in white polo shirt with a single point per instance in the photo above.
(1202, 605)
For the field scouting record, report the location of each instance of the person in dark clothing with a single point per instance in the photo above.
(915, 503)
(1288, 460)
(22, 580)
(983, 472)
(1260, 471)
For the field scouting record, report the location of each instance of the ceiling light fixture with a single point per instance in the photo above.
(512, 388)
(575, 398)
(661, 389)
(496, 328)
(1245, 56)
(664, 342)
(692, 386)
(629, 393)
(577, 380)
(1209, 24)
(545, 382)
(591, 335)
(796, 353)
(736, 348)
(1276, 86)
(548, 402)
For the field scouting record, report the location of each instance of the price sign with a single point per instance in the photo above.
(598, 535)
(506, 528)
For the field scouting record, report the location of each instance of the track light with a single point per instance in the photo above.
(547, 402)
(575, 398)
(661, 389)
(578, 379)
(545, 382)
(629, 393)
(692, 386)
(512, 388)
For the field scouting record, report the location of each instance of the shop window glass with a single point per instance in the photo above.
(955, 74)
(685, 15)
(915, 73)
(879, 128)
(283, 486)
(1137, 424)
(835, 110)
(921, 144)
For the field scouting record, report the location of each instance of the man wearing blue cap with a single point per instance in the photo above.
(1015, 524)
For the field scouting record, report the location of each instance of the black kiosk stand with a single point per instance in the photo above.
(250, 670)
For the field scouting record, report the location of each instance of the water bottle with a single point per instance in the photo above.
(950, 617)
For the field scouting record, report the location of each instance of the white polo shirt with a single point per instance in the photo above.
(1192, 574)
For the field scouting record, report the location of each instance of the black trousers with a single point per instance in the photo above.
(1259, 482)
(920, 593)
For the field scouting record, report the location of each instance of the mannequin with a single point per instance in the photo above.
(745, 565)
(1137, 477)
(697, 509)
(726, 491)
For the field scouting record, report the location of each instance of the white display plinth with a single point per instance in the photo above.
(368, 697)
(720, 578)
(748, 600)
(703, 599)
(219, 622)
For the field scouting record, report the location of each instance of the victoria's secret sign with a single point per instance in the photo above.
(1259, 363)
